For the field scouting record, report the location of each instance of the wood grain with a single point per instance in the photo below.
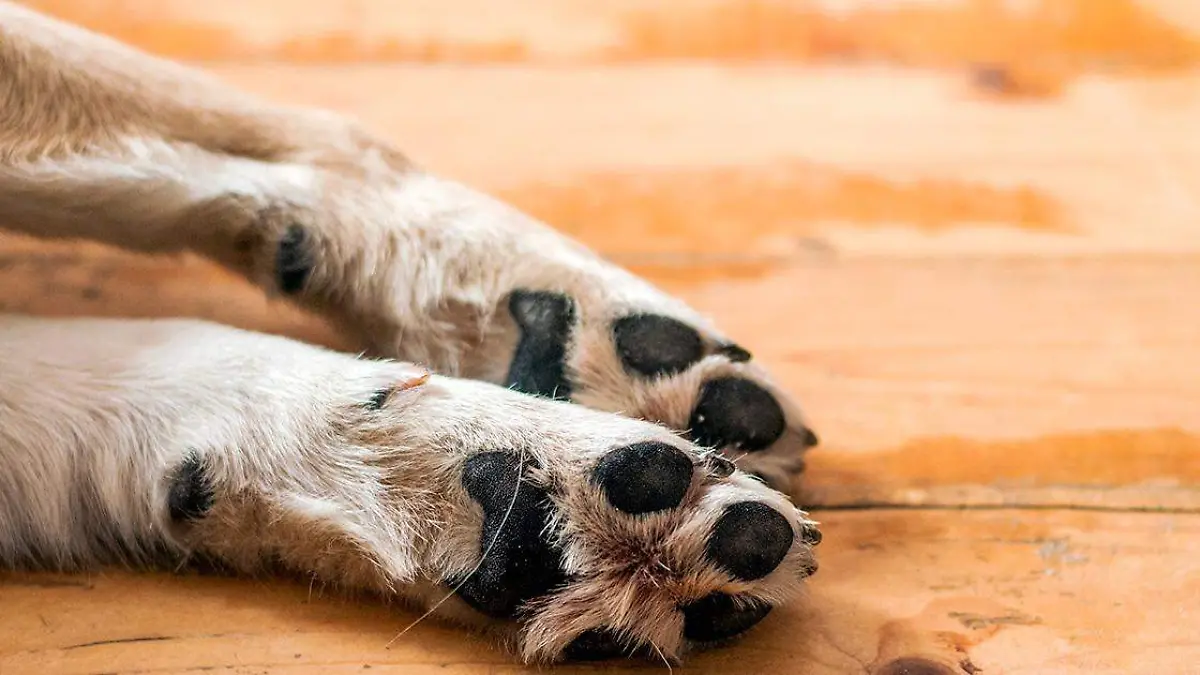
(953, 591)
(984, 301)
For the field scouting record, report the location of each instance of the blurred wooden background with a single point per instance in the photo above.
(966, 233)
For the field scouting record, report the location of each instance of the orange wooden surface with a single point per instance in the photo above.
(985, 301)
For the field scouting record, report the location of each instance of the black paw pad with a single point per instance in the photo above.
(720, 616)
(750, 540)
(293, 260)
(596, 644)
(644, 477)
(190, 495)
(539, 364)
(520, 565)
(653, 345)
(736, 412)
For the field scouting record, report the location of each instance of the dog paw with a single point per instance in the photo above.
(434, 273)
(644, 355)
(593, 536)
(570, 533)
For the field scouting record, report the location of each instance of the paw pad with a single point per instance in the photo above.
(293, 262)
(653, 345)
(750, 540)
(720, 616)
(520, 564)
(539, 363)
(190, 495)
(736, 412)
(644, 477)
(596, 644)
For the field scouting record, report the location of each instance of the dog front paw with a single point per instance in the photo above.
(434, 273)
(574, 534)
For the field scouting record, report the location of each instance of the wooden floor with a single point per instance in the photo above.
(976, 263)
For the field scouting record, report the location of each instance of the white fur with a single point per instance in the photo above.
(96, 416)
(95, 413)
(137, 194)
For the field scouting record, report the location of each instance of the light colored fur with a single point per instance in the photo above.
(100, 141)
(96, 413)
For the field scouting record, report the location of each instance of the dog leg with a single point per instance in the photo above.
(572, 533)
(100, 141)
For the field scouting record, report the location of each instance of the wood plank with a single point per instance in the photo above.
(1032, 47)
(774, 162)
(948, 382)
(1154, 469)
(974, 278)
(85, 279)
(951, 592)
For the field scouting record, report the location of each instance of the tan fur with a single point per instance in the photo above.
(100, 141)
